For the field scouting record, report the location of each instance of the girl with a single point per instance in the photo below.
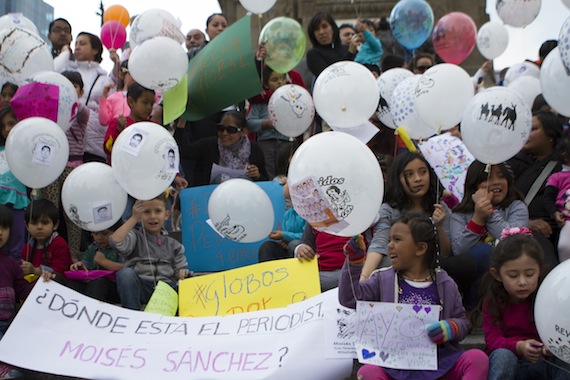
(509, 289)
(490, 204)
(411, 186)
(13, 286)
(415, 279)
(557, 198)
(114, 105)
(8, 91)
(13, 194)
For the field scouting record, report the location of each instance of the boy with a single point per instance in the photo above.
(140, 100)
(99, 256)
(149, 255)
(46, 250)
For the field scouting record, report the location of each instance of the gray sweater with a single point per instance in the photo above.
(163, 260)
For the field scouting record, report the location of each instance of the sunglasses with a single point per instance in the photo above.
(228, 128)
(422, 68)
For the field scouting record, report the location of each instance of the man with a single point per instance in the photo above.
(194, 39)
(59, 35)
(346, 31)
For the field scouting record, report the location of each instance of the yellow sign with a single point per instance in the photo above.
(175, 101)
(268, 285)
(164, 300)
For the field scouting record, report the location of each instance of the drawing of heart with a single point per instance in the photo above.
(427, 309)
(383, 355)
(371, 304)
(417, 308)
(367, 354)
(399, 308)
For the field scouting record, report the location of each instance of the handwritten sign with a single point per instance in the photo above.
(394, 335)
(36, 99)
(175, 101)
(206, 251)
(116, 343)
(262, 286)
(163, 301)
(341, 326)
(223, 73)
(450, 159)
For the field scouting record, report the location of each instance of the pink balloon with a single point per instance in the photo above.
(113, 34)
(454, 37)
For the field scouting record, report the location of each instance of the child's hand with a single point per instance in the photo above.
(305, 252)
(559, 218)
(483, 205)
(183, 274)
(252, 171)
(261, 53)
(360, 26)
(355, 249)
(180, 182)
(107, 89)
(121, 122)
(138, 209)
(99, 258)
(531, 349)
(47, 276)
(77, 266)
(27, 267)
(438, 214)
(114, 56)
(443, 331)
(276, 235)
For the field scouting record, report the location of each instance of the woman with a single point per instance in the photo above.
(87, 57)
(535, 163)
(228, 155)
(215, 24)
(327, 48)
(421, 62)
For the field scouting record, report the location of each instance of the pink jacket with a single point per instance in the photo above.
(112, 107)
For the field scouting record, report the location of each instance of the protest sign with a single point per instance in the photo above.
(83, 337)
(341, 328)
(205, 249)
(163, 301)
(268, 285)
(394, 335)
(175, 101)
(223, 73)
(450, 159)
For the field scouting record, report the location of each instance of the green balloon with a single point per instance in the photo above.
(285, 42)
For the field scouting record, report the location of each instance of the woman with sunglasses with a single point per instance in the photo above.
(228, 155)
(421, 62)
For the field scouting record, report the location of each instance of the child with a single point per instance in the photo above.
(8, 92)
(280, 246)
(116, 104)
(13, 287)
(415, 279)
(75, 137)
(46, 250)
(412, 186)
(370, 52)
(99, 255)
(140, 100)
(13, 194)
(490, 204)
(149, 255)
(509, 289)
(268, 138)
(557, 198)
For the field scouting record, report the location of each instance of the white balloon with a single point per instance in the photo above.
(345, 94)
(92, 198)
(153, 23)
(555, 83)
(68, 102)
(257, 6)
(404, 112)
(527, 87)
(140, 160)
(37, 151)
(442, 93)
(564, 43)
(387, 83)
(291, 110)
(241, 211)
(159, 63)
(551, 311)
(518, 13)
(23, 54)
(336, 183)
(18, 20)
(521, 69)
(496, 125)
(492, 39)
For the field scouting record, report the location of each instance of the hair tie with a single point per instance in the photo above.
(515, 231)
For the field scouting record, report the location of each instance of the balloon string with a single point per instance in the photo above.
(262, 59)
(148, 255)
(28, 252)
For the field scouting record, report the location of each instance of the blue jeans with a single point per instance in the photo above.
(133, 290)
(505, 365)
(482, 255)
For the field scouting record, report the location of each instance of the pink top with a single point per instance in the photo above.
(113, 106)
(517, 325)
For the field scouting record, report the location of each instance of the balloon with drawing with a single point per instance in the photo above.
(285, 43)
(154, 23)
(564, 43)
(411, 22)
(518, 13)
(404, 112)
(387, 83)
(454, 37)
(555, 83)
(291, 110)
(492, 39)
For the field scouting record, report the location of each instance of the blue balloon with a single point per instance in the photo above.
(411, 22)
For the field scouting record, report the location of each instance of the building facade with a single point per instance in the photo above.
(39, 12)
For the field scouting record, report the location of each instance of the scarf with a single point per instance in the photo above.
(235, 156)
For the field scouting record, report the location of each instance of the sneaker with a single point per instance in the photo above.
(7, 372)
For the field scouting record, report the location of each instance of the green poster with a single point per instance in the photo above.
(223, 73)
(175, 101)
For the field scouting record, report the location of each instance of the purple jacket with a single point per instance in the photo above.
(380, 287)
